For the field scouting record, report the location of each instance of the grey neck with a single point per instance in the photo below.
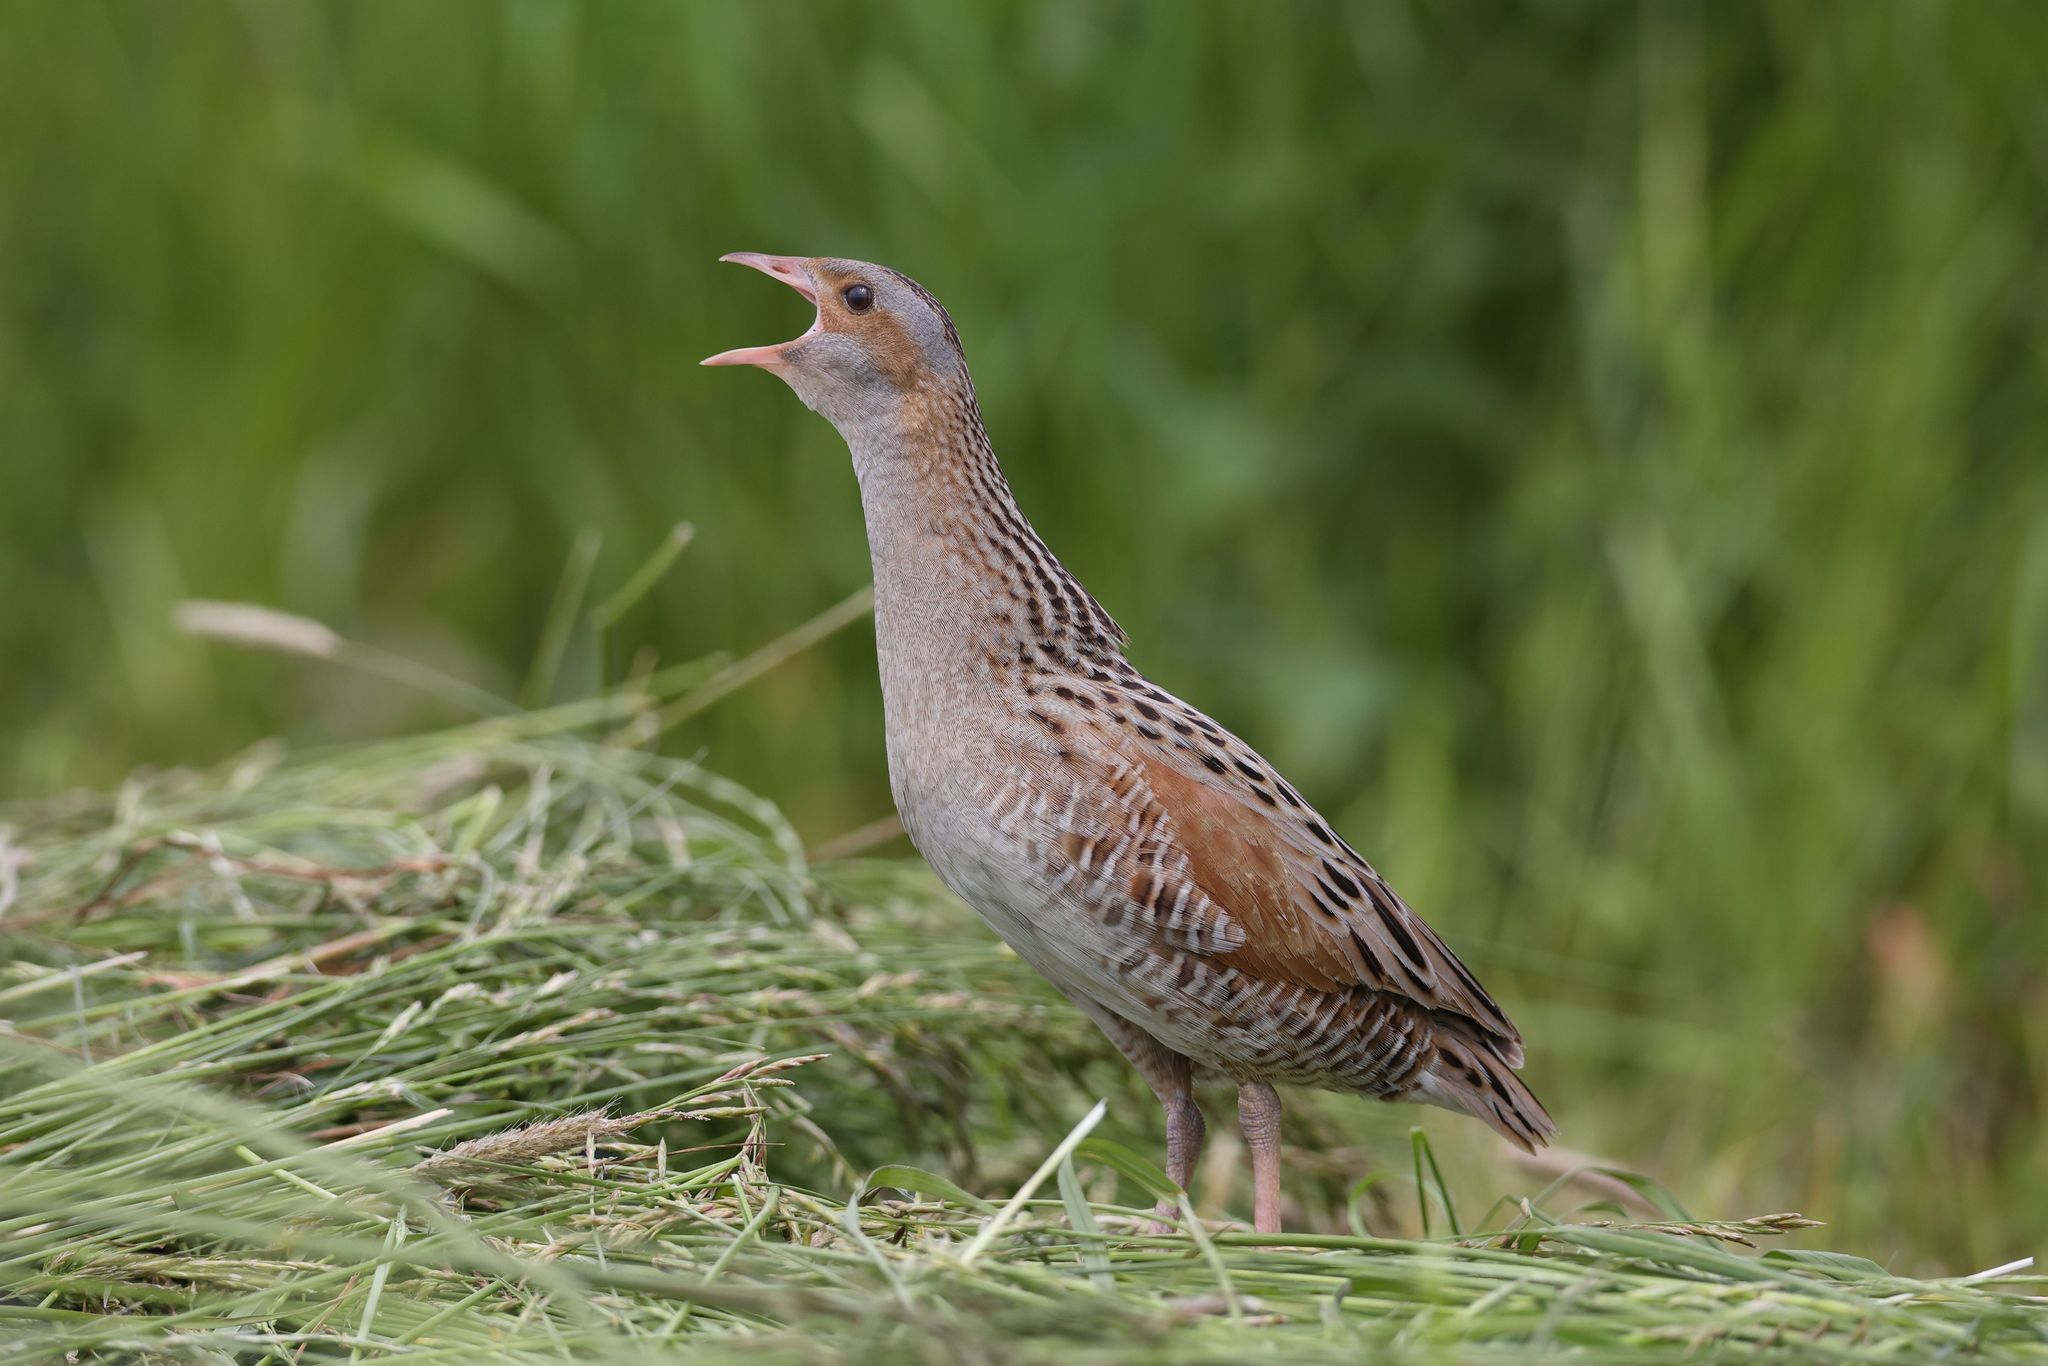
(960, 574)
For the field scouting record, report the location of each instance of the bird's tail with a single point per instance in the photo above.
(1471, 1076)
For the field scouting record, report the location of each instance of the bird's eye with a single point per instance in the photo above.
(859, 298)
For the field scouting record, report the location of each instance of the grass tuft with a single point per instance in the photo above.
(515, 1041)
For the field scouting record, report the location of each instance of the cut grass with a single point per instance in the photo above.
(513, 1042)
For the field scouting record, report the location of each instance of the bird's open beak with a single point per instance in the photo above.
(790, 270)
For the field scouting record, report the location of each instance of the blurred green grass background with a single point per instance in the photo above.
(1597, 451)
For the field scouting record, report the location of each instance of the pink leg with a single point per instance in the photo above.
(1185, 1132)
(1171, 1078)
(1258, 1114)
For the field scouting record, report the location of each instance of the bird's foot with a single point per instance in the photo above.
(1164, 1223)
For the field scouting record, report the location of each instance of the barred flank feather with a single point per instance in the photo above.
(1471, 1077)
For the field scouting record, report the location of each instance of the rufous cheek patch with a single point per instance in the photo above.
(883, 338)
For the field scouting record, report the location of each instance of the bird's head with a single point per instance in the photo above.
(878, 340)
